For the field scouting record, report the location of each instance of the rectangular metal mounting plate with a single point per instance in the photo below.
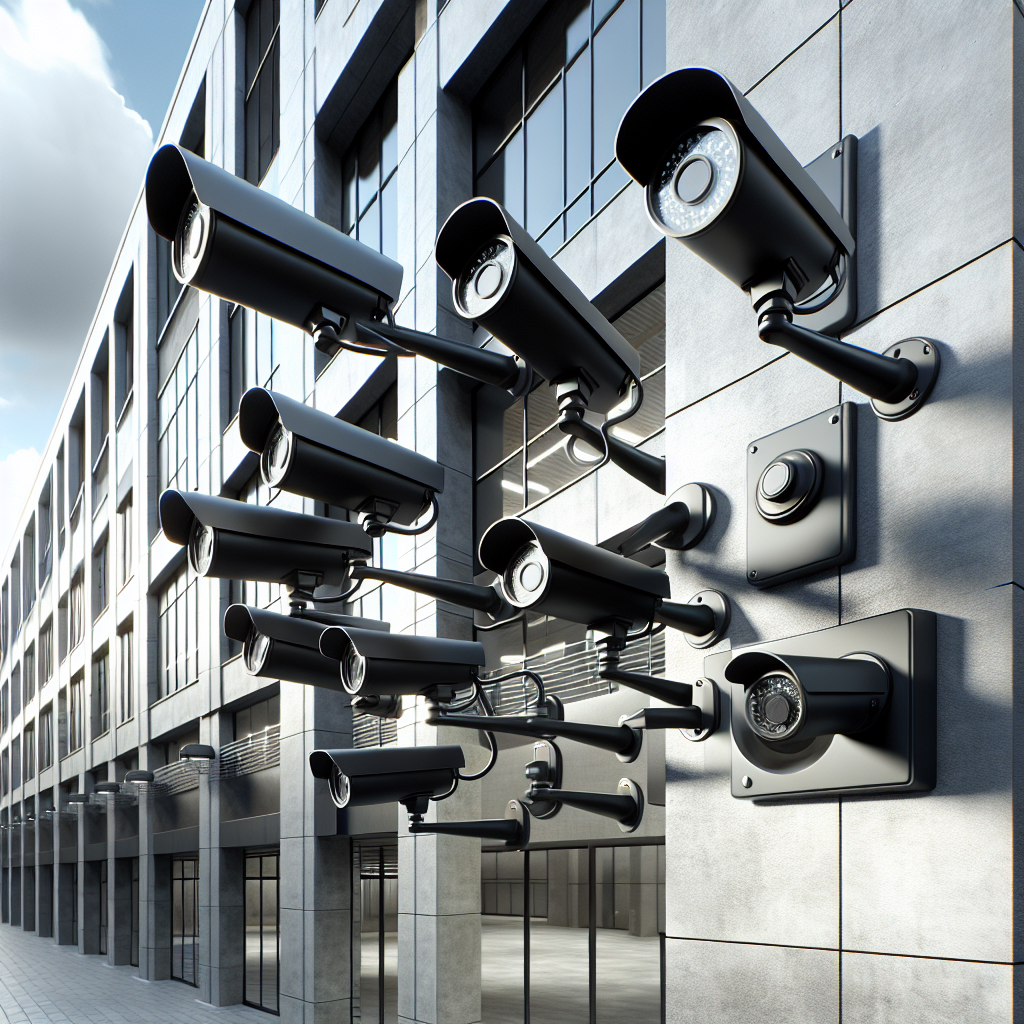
(826, 536)
(835, 173)
(897, 755)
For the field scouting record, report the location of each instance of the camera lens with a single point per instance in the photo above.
(341, 789)
(526, 575)
(257, 648)
(200, 547)
(486, 277)
(353, 668)
(192, 237)
(697, 178)
(276, 459)
(775, 707)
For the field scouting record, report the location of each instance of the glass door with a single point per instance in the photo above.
(185, 919)
(134, 957)
(262, 930)
(375, 944)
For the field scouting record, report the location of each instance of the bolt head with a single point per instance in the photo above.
(746, 782)
(752, 449)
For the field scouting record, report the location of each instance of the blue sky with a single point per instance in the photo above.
(84, 86)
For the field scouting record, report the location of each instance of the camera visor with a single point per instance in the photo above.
(191, 239)
(201, 546)
(257, 650)
(696, 179)
(775, 707)
(482, 285)
(276, 458)
(526, 577)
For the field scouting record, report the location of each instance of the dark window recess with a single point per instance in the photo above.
(168, 286)
(544, 126)
(257, 717)
(370, 181)
(262, 87)
(262, 930)
(185, 919)
(236, 361)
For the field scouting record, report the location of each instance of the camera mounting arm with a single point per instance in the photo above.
(514, 375)
(897, 382)
(465, 595)
(513, 829)
(626, 806)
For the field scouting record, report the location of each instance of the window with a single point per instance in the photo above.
(75, 713)
(45, 523)
(124, 345)
(178, 439)
(46, 653)
(178, 634)
(262, 931)
(29, 769)
(257, 717)
(77, 614)
(5, 772)
(5, 616)
(101, 578)
(544, 126)
(370, 181)
(262, 87)
(29, 675)
(125, 541)
(46, 737)
(168, 287)
(100, 695)
(15, 692)
(236, 361)
(28, 558)
(16, 605)
(58, 482)
(5, 710)
(16, 762)
(125, 676)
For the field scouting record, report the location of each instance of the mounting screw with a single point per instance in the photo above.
(914, 393)
(746, 782)
(752, 449)
(700, 682)
(927, 350)
(752, 573)
(833, 418)
(836, 152)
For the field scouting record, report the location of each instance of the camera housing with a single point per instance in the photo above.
(411, 776)
(503, 280)
(277, 646)
(373, 662)
(244, 245)
(309, 452)
(235, 540)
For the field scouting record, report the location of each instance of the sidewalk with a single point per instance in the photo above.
(42, 982)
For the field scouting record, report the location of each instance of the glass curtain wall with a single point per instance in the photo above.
(375, 935)
(573, 936)
(262, 930)
(185, 919)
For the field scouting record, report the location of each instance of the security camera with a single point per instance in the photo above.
(719, 180)
(235, 540)
(626, 806)
(244, 245)
(378, 663)
(306, 451)
(546, 571)
(407, 775)
(789, 700)
(287, 647)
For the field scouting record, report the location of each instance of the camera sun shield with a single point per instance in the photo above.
(308, 452)
(503, 280)
(235, 540)
(241, 243)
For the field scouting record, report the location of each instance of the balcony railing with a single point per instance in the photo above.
(252, 754)
(176, 777)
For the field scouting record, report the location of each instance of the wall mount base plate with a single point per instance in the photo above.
(924, 354)
(896, 755)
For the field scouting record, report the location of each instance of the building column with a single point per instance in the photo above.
(119, 895)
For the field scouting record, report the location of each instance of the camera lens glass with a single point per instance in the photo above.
(484, 281)
(353, 670)
(526, 576)
(276, 459)
(257, 647)
(341, 789)
(200, 547)
(697, 178)
(191, 239)
(775, 707)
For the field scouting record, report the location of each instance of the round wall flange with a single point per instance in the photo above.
(719, 605)
(627, 787)
(705, 697)
(520, 813)
(924, 354)
(701, 504)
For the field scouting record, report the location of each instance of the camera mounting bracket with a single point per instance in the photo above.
(680, 524)
(897, 754)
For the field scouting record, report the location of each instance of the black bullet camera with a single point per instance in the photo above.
(244, 245)
(718, 179)
(503, 280)
(407, 775)
(546, 571)
(308, 452)
(375, 662)
(235, 540)
(791, 699)
(287, 647)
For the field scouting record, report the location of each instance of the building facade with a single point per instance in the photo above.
(239, 876)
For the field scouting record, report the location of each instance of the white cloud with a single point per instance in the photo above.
(72, 159)
(17, 474)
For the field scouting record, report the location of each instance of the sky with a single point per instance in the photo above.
(84, 86)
